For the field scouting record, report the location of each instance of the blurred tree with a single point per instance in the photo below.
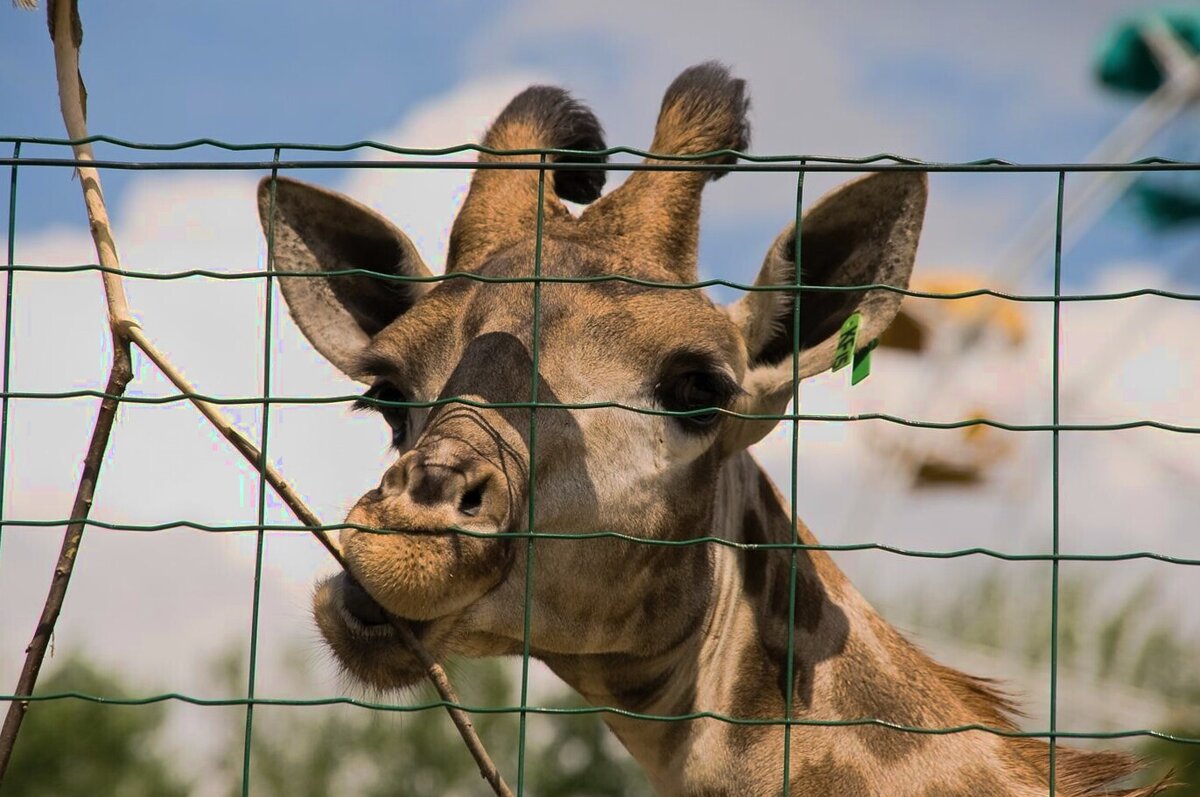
(1181, 760)
(1135, 643)
(78, 748)
(317, 751)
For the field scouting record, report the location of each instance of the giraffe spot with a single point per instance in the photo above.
(829, 778)
(863, 692)
(767, 576)
(750, 700)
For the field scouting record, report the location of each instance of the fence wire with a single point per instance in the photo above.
(551, 160)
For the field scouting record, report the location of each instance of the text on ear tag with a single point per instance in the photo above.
(847, 338)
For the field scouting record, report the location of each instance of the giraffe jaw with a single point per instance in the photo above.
(371, 652)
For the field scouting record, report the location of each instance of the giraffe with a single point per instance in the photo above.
(652, 629)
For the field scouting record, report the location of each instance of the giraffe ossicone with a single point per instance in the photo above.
(658, 629)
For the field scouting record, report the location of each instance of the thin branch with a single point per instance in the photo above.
(462, 720)
(67, 33)
(70, 94)
(35, 654)
(433, 671)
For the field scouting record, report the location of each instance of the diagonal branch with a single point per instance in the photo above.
(66, 31)
(433, 671)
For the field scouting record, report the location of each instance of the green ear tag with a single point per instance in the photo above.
(847, 338)
(862, 363)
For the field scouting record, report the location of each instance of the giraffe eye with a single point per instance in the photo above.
(378, 399)
(693, 392)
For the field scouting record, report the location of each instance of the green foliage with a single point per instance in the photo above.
(1166, 207)
(70, 748)
(77, 748)
(1182, 761)
(1134, 643)
(317, 751)
(1125, 62)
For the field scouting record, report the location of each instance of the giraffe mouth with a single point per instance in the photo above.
(361, 608)
(418, 573)
(363, 636)
(366, 617)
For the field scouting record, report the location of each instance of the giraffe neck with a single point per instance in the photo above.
(847, 664)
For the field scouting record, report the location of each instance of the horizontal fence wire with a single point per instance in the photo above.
(412, 708)
(743, 161)
(472, 148)
(615, 535)
(599, 405)
(620, 278)
(550, 160)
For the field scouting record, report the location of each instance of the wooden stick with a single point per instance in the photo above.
(237, 439)
(35, 654)
(433, 671)
(67, 34)
(462, 720)
(64, 21)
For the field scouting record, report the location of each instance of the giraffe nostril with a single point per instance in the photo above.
(472, 500)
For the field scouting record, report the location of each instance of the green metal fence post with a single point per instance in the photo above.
(1054, 563)
(260, 534)
(798, 280)
(9, 276)
(535, 345)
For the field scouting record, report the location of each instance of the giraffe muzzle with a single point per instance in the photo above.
(411, 556)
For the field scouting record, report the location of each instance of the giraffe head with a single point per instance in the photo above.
(472, 456)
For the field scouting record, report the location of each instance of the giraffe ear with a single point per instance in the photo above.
(864, 233)
(317, 231)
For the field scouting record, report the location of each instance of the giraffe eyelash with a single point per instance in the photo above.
(379, 392)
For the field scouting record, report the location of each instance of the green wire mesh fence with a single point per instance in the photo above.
(305, 157)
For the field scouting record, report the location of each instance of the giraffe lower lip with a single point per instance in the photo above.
(424, 532)
(359, 603)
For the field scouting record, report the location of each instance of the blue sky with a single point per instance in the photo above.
(236, 71)
(932, 80)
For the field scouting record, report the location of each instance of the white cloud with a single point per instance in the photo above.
(165, 462)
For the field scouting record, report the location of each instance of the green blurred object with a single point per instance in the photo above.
(1125, 63)
(1180, 760)
(1166, 207)
(77, 748)
(336, 750)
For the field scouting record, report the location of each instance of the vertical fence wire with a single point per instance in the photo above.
(535, 346)
(1054, 495)
(260, 534)
(797, 281)
(9, 276)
